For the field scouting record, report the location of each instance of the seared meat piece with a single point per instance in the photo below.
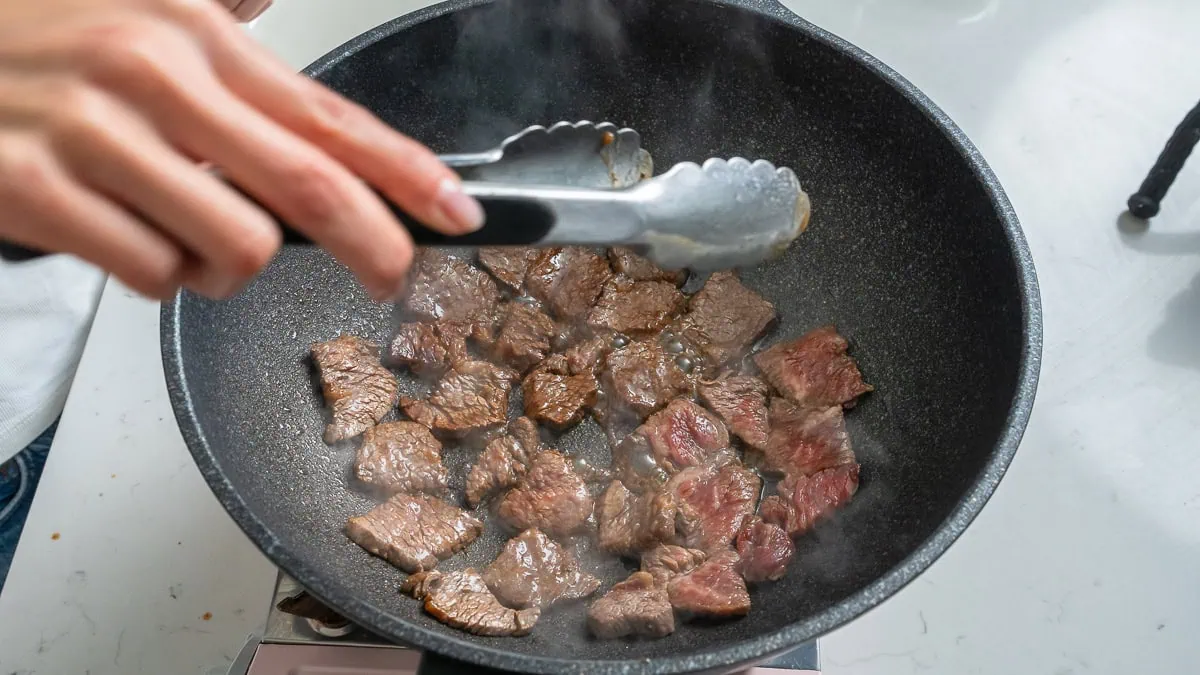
(635, 606)
(554, 396)
(806, 440)
(765, 549)
(525, 336)
(500, 466)
(630, 524)
(535, 571)
(667, 561)
(635, 466)
(401, 457)
(508, 264)
(446, 288)
(586, 356)
(472, 395)
(683, 434)
(725, 318)
(526, 431)
(568, 280)
(639, 268)
(814, 371)
(636, 307)
(462, 600)
(358, 389)
(429, 348)
(804, 501)
(741, 402)
(641, 378)
(714, 503)
(714, 590)
(414, 532)
(550, 497)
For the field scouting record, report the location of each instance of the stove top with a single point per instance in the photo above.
(326, 644)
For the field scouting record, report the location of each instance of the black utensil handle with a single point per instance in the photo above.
(436, 664)
(1146, 202)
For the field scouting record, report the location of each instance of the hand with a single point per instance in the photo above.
(110, 108)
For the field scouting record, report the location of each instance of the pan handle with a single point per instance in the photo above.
(436, 664)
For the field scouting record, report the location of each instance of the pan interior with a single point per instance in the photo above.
(905, 254)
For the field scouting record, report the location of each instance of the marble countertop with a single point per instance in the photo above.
(1085, 559)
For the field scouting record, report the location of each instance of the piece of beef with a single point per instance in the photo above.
(774, 509)
(587, 355)
(765, 549)
(535, 571)
(414, 532)
(667, 561)
(639, 268)
(806, 440)
(358, 389)
(462, 600)
(429, 348)
(550, 497)
(508, 264)
(526, 431)
(630, 524)
(725, 318)
(636, 307)
(714, 590)
(500, 466)
(635, 606)
(470, 396)
(401, 457)
(641, 378)
(634, 465)
(803, 501)
(814, 371)
(446, 288)
(525, 336)
(568, 280)
(741, 402)
(683, 434)
(714, 503)
(554, 396)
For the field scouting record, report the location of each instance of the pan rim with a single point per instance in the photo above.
(747, 651)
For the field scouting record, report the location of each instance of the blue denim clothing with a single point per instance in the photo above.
(18, 480)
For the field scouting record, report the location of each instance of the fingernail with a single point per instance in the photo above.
(460, 209)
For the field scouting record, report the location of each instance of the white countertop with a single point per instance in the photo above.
(1085, 561)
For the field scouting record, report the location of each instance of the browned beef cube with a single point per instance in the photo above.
(814, 371)
(525, 336)
(741, 402)
(414, 532)
(587, 355)
(462, 600)
(641, 378)
(806, 440)
(667, 561)
(634, 607)
(401, 457)
(714, 502)
(508, 264)
(358, 389)
(554, 396)
(804, 501)
(636, 307)
(429, 348)
(551, 497)
(630, 524)
(500, 466)
(446, 288)
(535, 571)
(640, 268)
(725, 318)
(683, 434)
(765, 549)
(472, 395)
(568, 280)
(714, 590)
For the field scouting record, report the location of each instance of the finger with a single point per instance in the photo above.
(404, 170)
(247, 10)
(47, 210)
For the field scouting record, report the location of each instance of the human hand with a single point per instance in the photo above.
(110, 108)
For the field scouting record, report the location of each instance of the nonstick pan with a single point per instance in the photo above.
(913, 252)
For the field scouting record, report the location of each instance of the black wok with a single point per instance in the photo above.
(913, 251)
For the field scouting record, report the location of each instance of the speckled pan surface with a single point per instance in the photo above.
(913, 252)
